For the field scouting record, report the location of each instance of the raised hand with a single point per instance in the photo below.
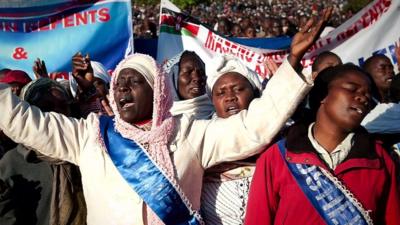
(82, 71)
(39, 68)
(81, 67)
(271, 66)
(107, 108)
(307, 36)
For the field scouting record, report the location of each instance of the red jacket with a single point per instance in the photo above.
(368, 172)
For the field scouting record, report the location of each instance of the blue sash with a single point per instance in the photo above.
(330, 202)
(145, 177)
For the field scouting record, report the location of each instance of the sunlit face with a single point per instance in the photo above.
(192, 77)
(133, 96)
(231, 93)
(347, 102)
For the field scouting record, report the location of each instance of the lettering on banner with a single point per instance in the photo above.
(388, 51)
(220, 45)
(370, 16)
(82, 18)
(20, 53)
(367, 19)
(7, 26)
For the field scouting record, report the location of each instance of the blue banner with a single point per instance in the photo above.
(55, 30)
(275, 43)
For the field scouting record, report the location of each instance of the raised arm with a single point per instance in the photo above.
(248, 132)
(52, 134)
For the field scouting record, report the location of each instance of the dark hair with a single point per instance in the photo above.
(323, 81)
(320, 58)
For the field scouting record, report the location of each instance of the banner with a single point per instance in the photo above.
(55, 30)
(180, 32)
(373, 30)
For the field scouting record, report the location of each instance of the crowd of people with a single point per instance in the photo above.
(193, 143)
(243, 18)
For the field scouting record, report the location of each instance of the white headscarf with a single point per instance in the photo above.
(226, 64)
(200, 107)
(100, 71)
(145, 66)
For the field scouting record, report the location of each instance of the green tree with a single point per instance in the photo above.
(145, 2)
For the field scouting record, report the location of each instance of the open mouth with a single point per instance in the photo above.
(231, 110)
(361, 110)
(126, 102)
(196, 90)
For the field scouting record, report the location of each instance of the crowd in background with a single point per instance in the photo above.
(245, 18)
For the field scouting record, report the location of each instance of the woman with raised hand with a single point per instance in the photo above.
(232, 87)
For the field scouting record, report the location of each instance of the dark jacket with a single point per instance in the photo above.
(25, 189)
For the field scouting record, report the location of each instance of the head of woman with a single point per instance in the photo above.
(191, 80)
(232, 86)
(48, 95)
(341, 97)
(132, 88)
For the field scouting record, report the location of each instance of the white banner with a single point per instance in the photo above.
(373, 30)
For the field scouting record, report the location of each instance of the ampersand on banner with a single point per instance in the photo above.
(20, 53)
